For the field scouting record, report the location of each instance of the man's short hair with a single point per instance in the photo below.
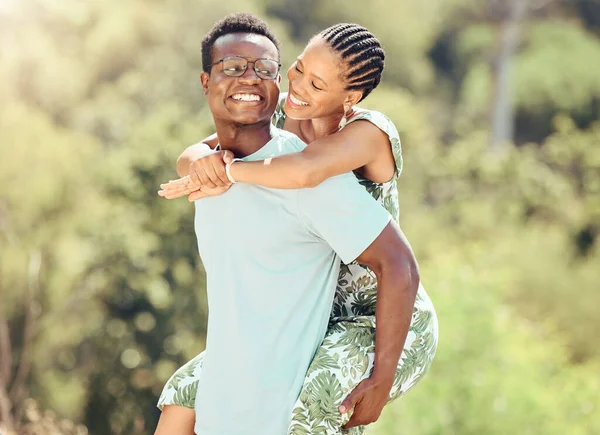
(240, 22)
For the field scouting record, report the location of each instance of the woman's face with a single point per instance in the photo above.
(316, 85)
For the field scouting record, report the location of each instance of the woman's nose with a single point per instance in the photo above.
(296, 82)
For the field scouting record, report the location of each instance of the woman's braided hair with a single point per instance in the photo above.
(360, 51)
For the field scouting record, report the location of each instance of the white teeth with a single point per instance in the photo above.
(297, 101)
(246, 97)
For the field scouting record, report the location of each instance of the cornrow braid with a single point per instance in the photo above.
(361, 51)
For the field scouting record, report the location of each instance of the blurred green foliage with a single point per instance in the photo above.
(101, 288)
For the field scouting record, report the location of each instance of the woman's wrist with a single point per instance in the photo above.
(228, 170)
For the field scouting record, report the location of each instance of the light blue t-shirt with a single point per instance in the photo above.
(272, 260)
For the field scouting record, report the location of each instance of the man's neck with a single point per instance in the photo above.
(243, 140)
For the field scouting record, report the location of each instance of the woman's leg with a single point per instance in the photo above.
(176, 420)
(178, 398)
(181, 388)
(346, 357)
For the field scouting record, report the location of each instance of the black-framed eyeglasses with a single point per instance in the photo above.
(236, 66)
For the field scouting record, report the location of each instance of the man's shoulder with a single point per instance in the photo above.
(286, 135)
(335, 190)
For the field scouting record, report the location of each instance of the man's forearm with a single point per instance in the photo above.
(391, 258)
(397, 286)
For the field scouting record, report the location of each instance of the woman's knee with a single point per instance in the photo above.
(176, 420)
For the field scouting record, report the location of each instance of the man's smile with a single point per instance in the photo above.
(243, 97)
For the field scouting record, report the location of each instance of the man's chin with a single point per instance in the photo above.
(249, 124)
(250, 120)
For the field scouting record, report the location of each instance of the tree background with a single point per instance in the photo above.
(101, 288)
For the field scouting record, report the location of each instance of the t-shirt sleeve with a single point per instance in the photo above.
(342, 213)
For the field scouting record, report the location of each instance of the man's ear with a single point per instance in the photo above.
(278, 79)
(204, 77)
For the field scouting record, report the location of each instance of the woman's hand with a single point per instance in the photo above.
(368, 399)
(186, 187)
(207, 177)
(209, 171)
(207, 191)
(178, 188)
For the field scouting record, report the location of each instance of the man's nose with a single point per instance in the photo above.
(250, 75)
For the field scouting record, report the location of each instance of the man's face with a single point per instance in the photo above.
(247, 99)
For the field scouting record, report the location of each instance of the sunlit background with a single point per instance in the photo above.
(101, 289)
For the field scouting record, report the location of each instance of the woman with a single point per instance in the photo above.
(339, 68)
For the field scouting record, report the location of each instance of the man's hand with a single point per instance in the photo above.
(209, 171)
(368, 399)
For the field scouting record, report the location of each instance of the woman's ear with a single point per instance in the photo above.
(204, 77)
(352, 98)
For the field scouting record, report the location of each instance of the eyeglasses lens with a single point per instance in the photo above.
(236, 66)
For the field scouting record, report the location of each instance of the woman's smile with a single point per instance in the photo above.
(294, 101)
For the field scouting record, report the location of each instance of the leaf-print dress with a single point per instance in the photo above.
(346, 355)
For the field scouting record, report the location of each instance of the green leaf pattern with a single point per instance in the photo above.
(181, 388)
(346, 355)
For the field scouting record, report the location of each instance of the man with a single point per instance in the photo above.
(272, 273)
